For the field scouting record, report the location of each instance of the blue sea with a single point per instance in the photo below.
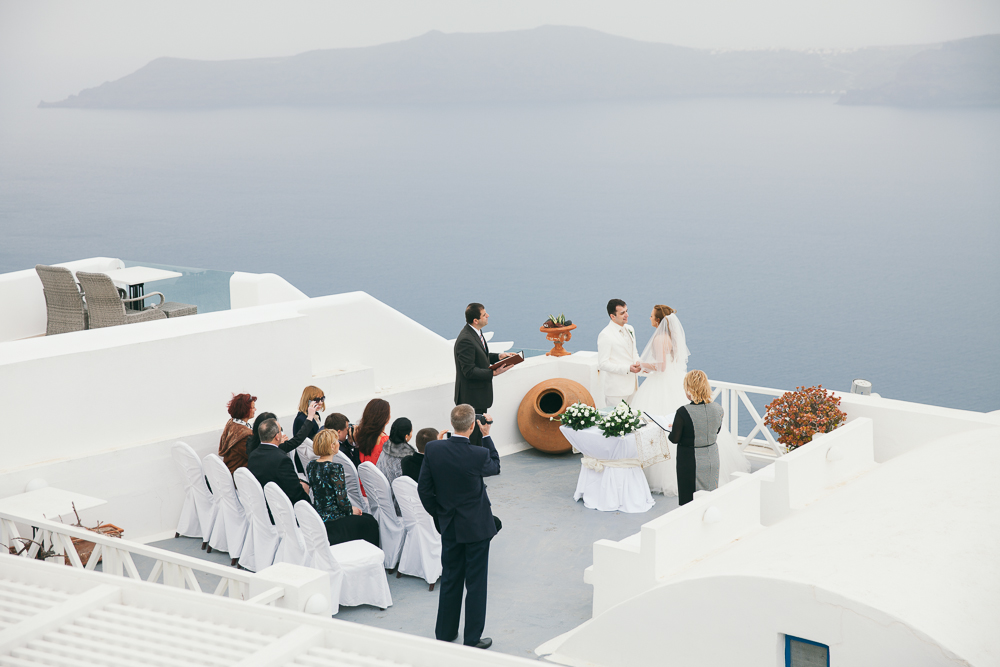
(801, 242)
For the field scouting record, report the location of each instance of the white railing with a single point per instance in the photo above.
(731, 395)
(171, 568)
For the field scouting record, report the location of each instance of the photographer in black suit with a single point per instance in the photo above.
(473, 377)
(452, 491)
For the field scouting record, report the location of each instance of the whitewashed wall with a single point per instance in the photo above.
(23, 302)
(901, 427)
(742, 620)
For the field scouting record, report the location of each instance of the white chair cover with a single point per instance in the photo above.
(390, 526)
(353, 486)
(230, 528)
(355, 567)
(291, 548)
(421, 555)
(305, 454)
(262, 537)
(199, 509)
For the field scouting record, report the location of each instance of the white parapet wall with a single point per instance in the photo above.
(712, 521)
(260, 289)
(24, 314)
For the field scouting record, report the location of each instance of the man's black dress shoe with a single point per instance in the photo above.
(485, 642)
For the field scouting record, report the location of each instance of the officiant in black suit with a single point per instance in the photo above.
(473, 377)
(452, 491)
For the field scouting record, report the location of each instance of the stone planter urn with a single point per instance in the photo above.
(558, 335)
(549, 398)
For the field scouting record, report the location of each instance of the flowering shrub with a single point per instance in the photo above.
(796, 416)
(578, 417)
(621, 421)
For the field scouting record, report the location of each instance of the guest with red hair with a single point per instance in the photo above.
(233, 443)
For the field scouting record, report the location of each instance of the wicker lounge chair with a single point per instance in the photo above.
(107, 307)
(63, 301)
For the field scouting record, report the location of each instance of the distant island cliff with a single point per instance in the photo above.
(557, 64)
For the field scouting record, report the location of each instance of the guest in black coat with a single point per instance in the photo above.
(452, 491)
(411, 464)
(269, 464)
(286, 445)
(339, 423)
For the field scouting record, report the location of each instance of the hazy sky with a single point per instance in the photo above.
(51, 48)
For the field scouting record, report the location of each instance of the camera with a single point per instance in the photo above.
(483, 420)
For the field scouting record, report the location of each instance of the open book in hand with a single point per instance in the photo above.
(506, 362)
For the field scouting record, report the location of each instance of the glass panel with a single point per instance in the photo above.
(205, 288)
(806, 654)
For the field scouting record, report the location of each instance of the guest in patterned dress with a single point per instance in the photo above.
(326, 479)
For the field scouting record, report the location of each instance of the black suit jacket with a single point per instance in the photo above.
(473, 377)
(269, 464)
(451, 486)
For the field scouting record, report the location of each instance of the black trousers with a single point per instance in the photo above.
(347, 528)
(466, 566)
(686, 471)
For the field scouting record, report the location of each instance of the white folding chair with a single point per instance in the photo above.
(199, 509)
(421, 555)
(351, 480)
(230, 529)
(291, 548)
(262, 537)
(390, 527)
(355, 567)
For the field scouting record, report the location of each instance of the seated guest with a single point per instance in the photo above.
(233, 443)
(369, 434)
(343, 521)
(339, 423)
(394, 451)
(310, 396)
(410, 466)
(269, 464)
(285, 445)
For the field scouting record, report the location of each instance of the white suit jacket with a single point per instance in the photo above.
(616, 351)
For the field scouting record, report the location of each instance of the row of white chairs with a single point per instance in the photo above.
(411, 543)
(233, 517)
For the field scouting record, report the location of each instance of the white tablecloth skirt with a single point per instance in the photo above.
(613, 489)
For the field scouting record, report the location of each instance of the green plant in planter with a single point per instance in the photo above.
(554, 321)
(796, 416)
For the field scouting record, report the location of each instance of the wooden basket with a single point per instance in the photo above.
(84, 548)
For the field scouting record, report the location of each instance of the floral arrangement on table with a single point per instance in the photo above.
(624, 419)
(578, 417)
(796, 416)
(557, 322)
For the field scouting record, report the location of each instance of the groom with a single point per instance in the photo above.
(617, 356)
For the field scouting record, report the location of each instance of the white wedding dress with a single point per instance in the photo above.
(662, 392)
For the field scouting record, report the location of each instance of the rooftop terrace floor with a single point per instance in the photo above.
(536, 587)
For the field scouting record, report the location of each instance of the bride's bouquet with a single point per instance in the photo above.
(621, 421)
(578, 417)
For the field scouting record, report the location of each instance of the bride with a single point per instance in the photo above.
(664, 360)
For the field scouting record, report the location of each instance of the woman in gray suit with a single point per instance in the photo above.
(695, 429)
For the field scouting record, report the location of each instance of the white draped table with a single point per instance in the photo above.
(613, 480)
